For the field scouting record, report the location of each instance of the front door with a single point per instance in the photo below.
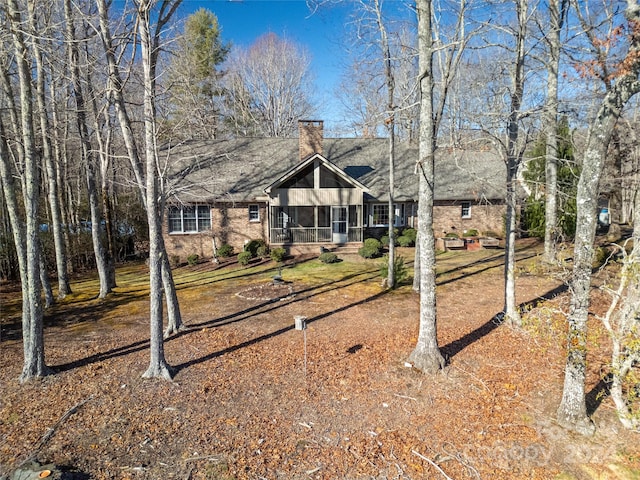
(339, 224)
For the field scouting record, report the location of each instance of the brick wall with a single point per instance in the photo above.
(229, 224)
(484, 218)
(310, 133)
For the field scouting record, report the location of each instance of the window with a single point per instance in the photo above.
(189, 219)
(329, 179)
(302, 179)
(466, 209)
(254, 213)
(380, 215)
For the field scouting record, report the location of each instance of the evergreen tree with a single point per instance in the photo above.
(195, 94)
(568, 174)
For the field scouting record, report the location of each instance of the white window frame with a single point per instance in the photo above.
(465, 209)
(254, 216)
(398, 214)
(200, 218)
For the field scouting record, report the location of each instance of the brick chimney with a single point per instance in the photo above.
(310, 134)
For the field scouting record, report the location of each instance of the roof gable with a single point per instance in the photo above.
(317, 161)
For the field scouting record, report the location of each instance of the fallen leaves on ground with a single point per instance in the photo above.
(245, 404)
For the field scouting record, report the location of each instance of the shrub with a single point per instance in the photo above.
(278, 254)
(244, 258)
(225, 250)
(400, 272)
(384, 240)
(373, 243)
(263, 251)
(405, 241)
(328, 257)
(411, 233)
(253, 246)
(193, 259)
(472, 232)
(451, 235)
(174, 261)
(371, 248)
(368, 252)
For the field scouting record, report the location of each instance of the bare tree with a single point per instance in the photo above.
(514, 155)
(150, 49)
(116, 88)
(29, 248)
(557, 13)
(104, 267)
(426, 355)
(37, 30)
(624, 83)
(268, 88)
(621, 321)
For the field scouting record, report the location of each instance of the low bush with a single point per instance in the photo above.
(262, 252)
(472, 232)
(411, 233)
(371, 248)
(328, 257)
(451, 235)
(244, 258)
(193, 259)
(278, 254)
(253, 246)
(405, 241)
(225, 250)
(384, 240)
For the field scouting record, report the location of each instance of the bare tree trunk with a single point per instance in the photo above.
(87, 152)
(19, 235)
(416, 264)
(572, 411)
(116, 88)
(390, 123)
(32, 323)
(426, 356)
(158, 366)
(49, 299)
(514, 159)
(104, 142)
(557, 11)
(56, 221)
(621, 324)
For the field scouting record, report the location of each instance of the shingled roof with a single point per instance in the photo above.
(238, 170)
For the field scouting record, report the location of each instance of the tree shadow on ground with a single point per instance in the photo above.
(453, 348)
(598, 394)
(261, 308)
(178, 368)
(462, 270)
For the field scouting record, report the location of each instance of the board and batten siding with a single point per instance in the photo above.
(311, 196)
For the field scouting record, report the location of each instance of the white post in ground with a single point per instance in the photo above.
(301, 324)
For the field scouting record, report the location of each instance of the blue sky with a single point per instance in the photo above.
(321, 33)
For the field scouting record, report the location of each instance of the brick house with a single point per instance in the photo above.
(314, 191)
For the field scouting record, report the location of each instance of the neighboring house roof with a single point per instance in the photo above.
(240, 170)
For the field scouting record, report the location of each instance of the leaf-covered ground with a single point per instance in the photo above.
(245, 404)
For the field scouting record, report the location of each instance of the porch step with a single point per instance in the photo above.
(343, 249)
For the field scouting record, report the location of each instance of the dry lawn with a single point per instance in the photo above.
(243, 404)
